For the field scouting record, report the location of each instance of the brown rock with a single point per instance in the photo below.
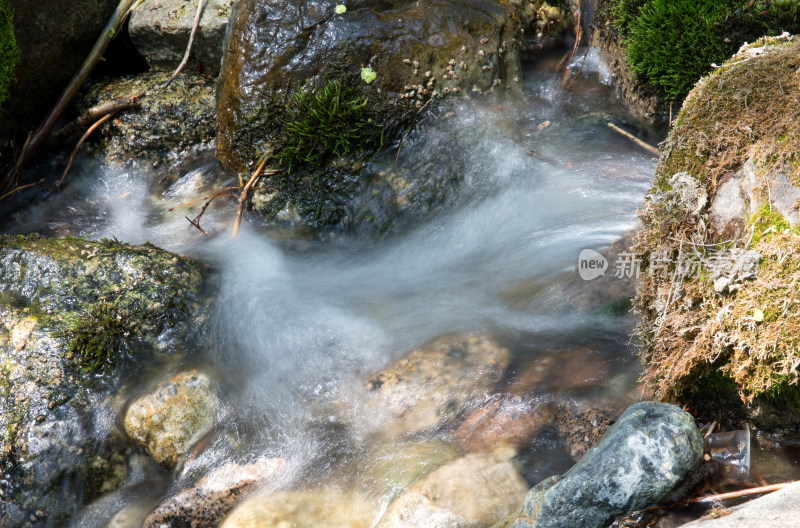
(576, 368)
(474, 490)
(206, 503)
(328, 507)
(505, 420)
(433, 383)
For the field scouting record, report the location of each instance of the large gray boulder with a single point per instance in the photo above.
(73, 314)
(160, 31)
(277, 51)
(645, 458)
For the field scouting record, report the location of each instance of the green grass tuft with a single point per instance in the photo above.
(324, 124)
(9, 52)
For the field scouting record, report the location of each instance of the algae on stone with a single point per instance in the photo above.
(55, 456)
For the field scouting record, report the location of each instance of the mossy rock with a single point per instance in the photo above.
(735, 131)
(167, 122)
(55, 454)
(277, 55)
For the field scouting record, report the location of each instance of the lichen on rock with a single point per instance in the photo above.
(709, 330)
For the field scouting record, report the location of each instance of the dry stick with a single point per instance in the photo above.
(743, 493)
(185, 204)
(78, 146)
(578, 35)
(648, 147)
(188, 46)
(196, 221)
(17, 189)
(94, 113)
(579, 69)
(410, 127)
(111, 29)
(246, 190)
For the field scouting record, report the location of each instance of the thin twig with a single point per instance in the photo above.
(547, 35)
(411, 126)
(579, 69)
(743, 493)
(647, 146)
(196, 223)
(578, 35)
(185, 204)
(188, 46)
(17, 189)
(94, 113)
(246, 190)
(83, 138)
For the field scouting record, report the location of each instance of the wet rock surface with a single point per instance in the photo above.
(273, 49)
(205, 504)
(58, 445)
(166, 122)
(327, 506)
(174, 416)
(160, 31)
(417, 52)
(646, 457)
(505, 421)
(472, 491)
(433, 384)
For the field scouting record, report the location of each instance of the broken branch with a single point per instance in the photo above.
(647, 146)
(78, 146)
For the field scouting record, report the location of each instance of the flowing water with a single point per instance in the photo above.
(296, 326)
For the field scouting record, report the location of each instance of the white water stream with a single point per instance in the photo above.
(292, 330)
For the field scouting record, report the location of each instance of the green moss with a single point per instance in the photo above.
(100, 336)
(767, 222)
(672, 43)
(9, 52)
(326, 136)
(325, 124)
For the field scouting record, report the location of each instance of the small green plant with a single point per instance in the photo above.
(99, 337)
(327, 123)
(767, 222)
(672, 43)
(9, 52)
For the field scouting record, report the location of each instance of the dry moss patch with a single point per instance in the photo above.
(700, 328)
(748, 108)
